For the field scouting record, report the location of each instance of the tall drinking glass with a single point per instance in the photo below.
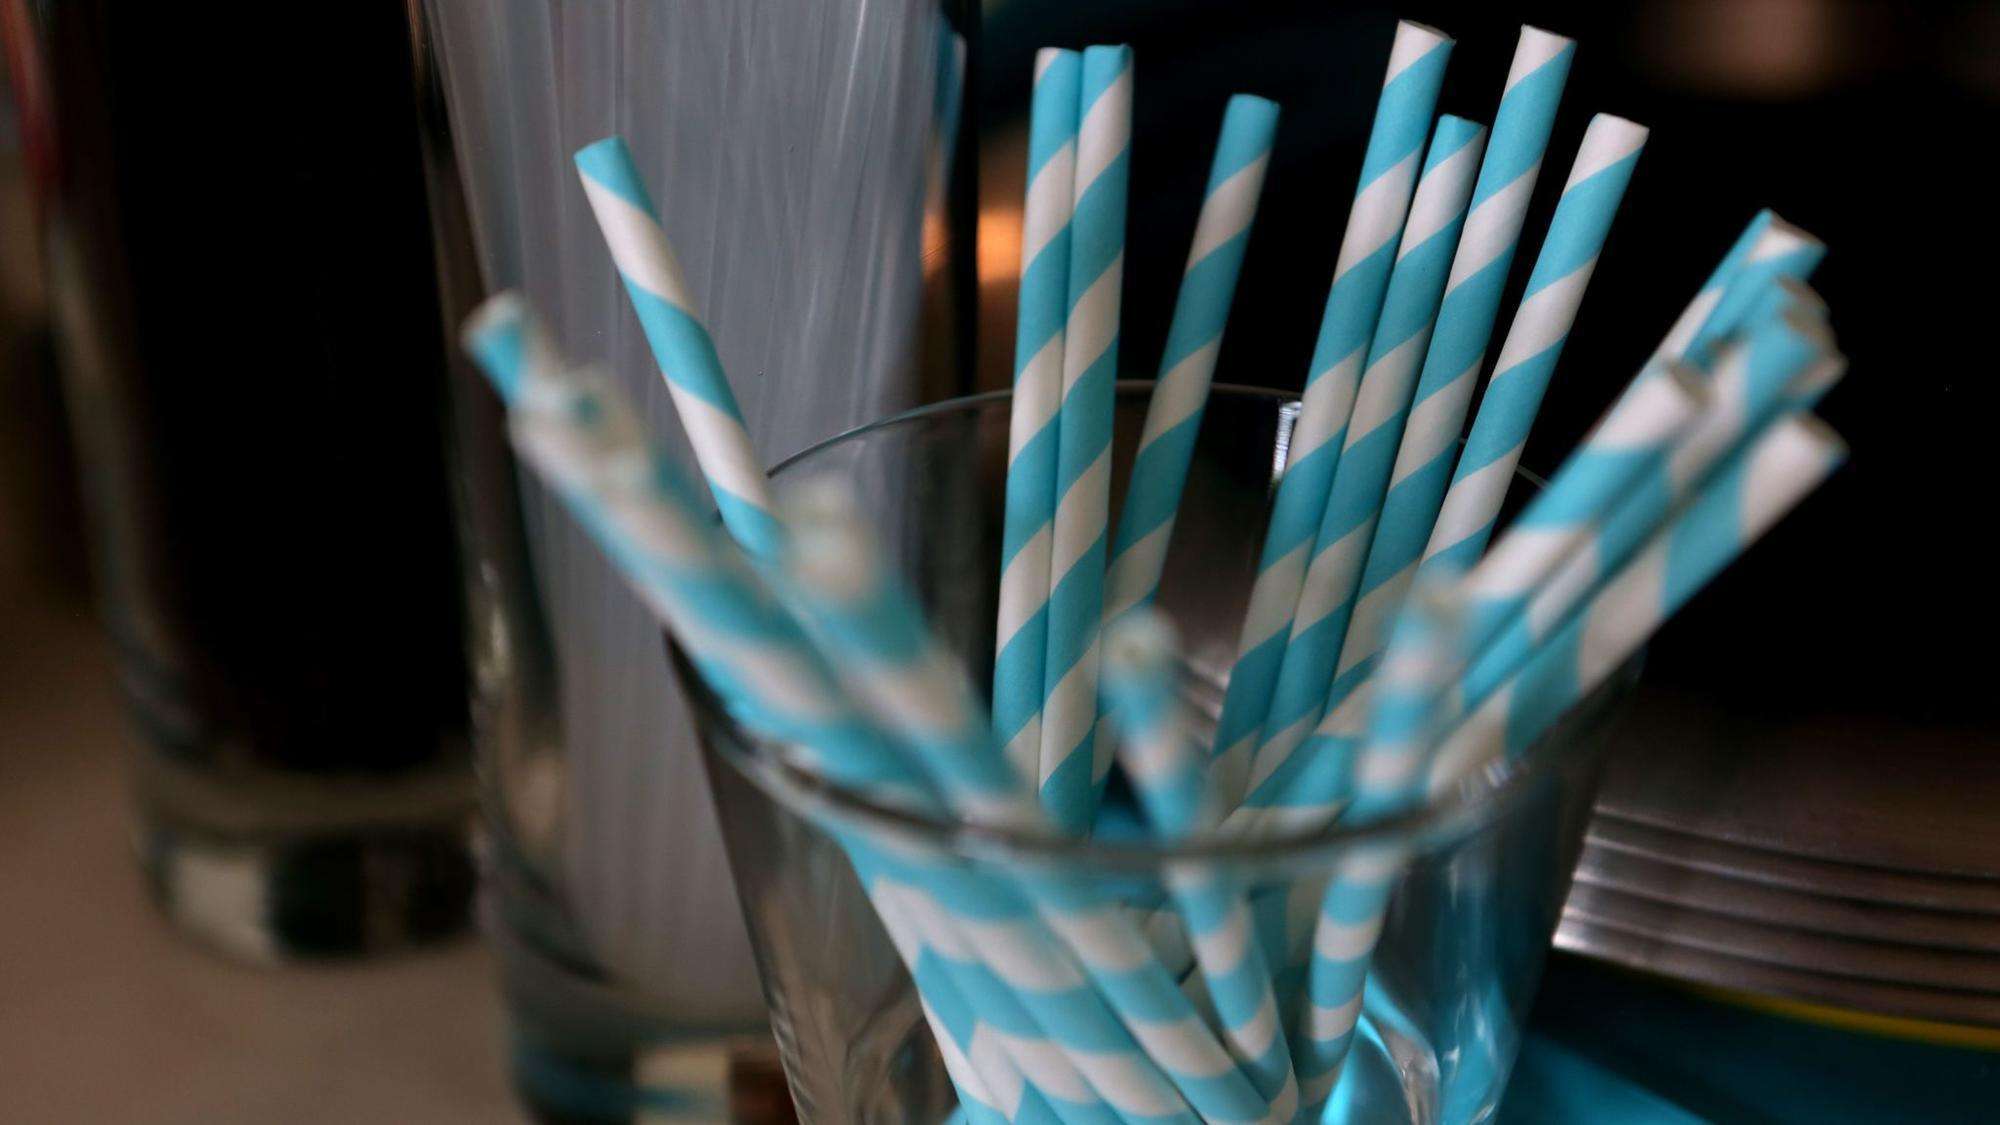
(800, 156)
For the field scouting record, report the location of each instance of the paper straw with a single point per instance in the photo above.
(977, 1057)
(1110, 1001)
(1744, 498)
(1022, 634)
(1493, 231)
(1381, 407)
(1632, 440)
(694, 376)
(974, 976)
(1769, 249)
(1170, 774)
(1534, 342)
(1681, 334)
(1780, 250)
(1194, 338)
(888, 658)
(1390, 780)
(1596, 511)
(1071, 771)
(1360, 279)
(586, 441)
(1748, 388)
(876, 633)
(1388, 381)
(578, 431)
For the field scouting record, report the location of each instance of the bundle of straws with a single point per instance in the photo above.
(1386, 650)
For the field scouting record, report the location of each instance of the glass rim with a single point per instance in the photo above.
(1480, 798)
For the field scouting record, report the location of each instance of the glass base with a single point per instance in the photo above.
(331, 895)
(586, 1051)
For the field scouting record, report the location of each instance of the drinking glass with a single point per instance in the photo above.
(1464, 938)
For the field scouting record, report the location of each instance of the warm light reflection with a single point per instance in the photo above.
(1763, 48)
(936, 238)
(999, 244)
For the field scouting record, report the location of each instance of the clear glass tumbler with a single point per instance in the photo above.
(1465, 937)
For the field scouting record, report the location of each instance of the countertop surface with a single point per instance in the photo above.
(107, 1016)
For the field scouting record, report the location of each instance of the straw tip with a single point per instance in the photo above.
(1249, 109)
(1813, 437)
(1421, 32)
(503, 312)
(1781, 235)
(1139, 644)
(828, 549)
(611, 146)
(609, 163)
(1610, 125)
(1549, 41)
(1047, 57)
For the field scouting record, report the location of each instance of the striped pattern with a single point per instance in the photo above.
(1169, 772)
(888, 659)
(585, 439)
(1390, 780)
(1507, 176)
(1388, 382)
(1681, 334)
(1054, 955)
(1527, 357)
(1360, 279)
(1021, 638)
(1194, 339)
(1013, 975)
(1649, 452)
(1745, 497)
(1632, 440)
(1780, 250)
(1748, 388)
(1071, 771)
(666, 310)
(1534, 342)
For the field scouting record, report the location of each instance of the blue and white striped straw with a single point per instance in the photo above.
(1650, 451)
(1465, 320)
(1071, 771)
(1675, 344)
(1021, 639)
(837, 579)
(1194, 339)
(1769, 249)
(1170, 774)
(581, 435)
(1748, 388)
(1360, 279)
(1390, 780)
(1780, 250)
(1388, 381)
(1742, 500)
(687, 358)
(999, 982)
(1632, 440)
(1577, 231)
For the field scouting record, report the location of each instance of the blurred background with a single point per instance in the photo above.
(231, 583)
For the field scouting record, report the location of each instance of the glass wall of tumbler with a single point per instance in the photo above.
(273, 552)
(804, 159)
